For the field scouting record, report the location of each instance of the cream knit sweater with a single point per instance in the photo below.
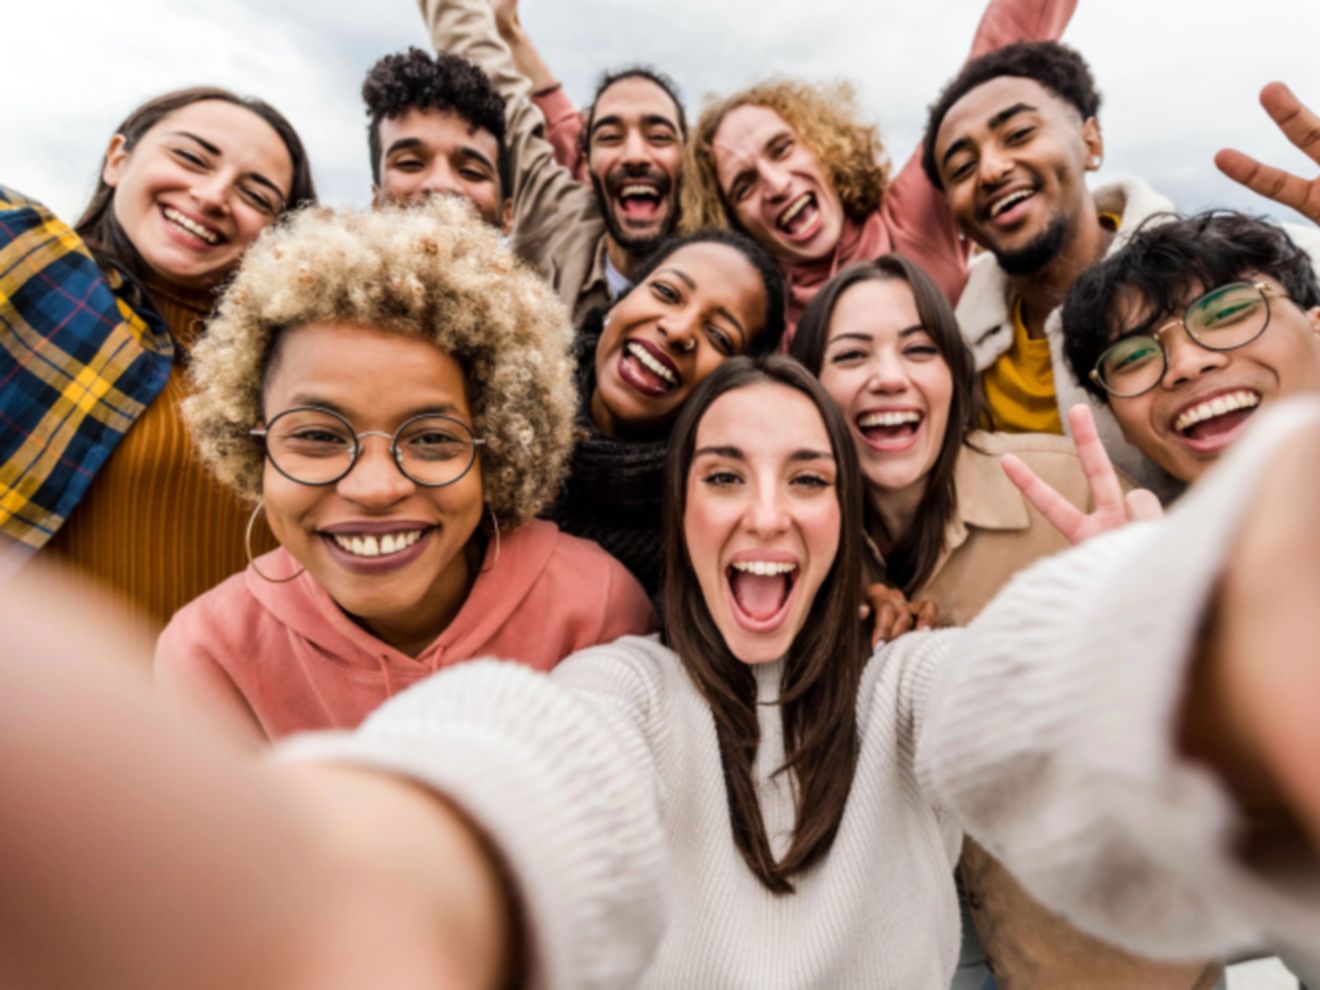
(1044, 729)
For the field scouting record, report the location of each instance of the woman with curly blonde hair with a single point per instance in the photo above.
(790, 164)
(395, 391)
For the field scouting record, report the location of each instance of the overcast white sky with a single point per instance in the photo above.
(1179, 77)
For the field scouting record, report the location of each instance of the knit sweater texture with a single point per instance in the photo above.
(601, 784)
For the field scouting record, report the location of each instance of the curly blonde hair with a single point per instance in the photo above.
(824, 116)
(432, 271)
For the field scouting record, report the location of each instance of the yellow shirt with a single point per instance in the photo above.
(1019, 386)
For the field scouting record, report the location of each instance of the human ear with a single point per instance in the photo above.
(116, 153)
(506, 216)
(377, 196)
(1095, 143)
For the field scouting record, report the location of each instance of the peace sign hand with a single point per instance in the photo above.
(1302, 128)
(1113, 508)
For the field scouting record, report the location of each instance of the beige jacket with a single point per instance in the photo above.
(994, 533)
(557, 227)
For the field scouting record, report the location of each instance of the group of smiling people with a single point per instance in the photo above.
(706, 456)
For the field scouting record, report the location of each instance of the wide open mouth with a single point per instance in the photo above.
(643, 366)
(799, 215)
(190, 226)
(760, 591)
(640, 200)
(1213, 420)
(890, 428)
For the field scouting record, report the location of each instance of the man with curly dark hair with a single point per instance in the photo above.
(1010, 141)
(437, 126)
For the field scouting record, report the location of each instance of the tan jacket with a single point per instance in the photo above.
(994, 533)
(557, 226)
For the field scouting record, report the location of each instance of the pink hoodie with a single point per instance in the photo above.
(301, 663)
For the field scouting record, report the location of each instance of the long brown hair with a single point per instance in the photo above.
(913, 555)
(99, 228)
(823, 666)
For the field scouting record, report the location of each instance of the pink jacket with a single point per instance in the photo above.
(300, 663)
(913, 218)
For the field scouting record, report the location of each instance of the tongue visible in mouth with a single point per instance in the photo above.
(757, 595)
(640, 207)
(1218, 425)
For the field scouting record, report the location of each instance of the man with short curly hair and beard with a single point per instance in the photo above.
(437, 126)
(1010, 141)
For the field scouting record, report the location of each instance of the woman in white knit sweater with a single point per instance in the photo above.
(599, 827)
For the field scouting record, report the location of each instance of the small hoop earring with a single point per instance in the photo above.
(495, 525)
(1096, 161)
(252, 561)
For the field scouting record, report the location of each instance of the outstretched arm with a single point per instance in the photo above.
(193, 864)
(1150, 764)
(1302, 127)
(563, 122)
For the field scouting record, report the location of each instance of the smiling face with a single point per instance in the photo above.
(436, 151)
(761, 521)
(1013, 158)
(702, 304)
(894, 388)
(1202, 404)
(198, 188)
(776, 186)
(342, 532)
(634, 153)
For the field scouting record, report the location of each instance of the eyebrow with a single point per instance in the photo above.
(996, 121)
(648, 120)
(431, 409)
(859, 335)
(212, 149)
(687, 280)
(736, 454)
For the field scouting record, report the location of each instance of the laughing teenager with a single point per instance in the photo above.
(97, 322)
(395, 393)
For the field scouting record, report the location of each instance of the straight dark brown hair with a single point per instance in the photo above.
(823, 666)
(913, 554)
(99, 228)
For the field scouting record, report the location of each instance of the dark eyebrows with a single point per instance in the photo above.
(995, 122)
(207, 145)
(736, 454)
(470, 153)
(613, 120)
(213, 150)
(403, 144)
(659, 120)
(1008, 113)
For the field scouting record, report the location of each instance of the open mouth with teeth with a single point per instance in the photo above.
(799, 218)
(640, 201)
(760, 591)
(376, 551)
(890, 429)
(1214, 422)
(191, 227)
(1008, 208)
(647, 369)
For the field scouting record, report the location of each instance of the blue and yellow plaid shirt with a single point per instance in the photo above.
(78, 366)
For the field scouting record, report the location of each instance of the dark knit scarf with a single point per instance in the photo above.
(614, 486)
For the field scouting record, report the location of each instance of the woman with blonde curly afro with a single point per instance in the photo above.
(395, 391)
(790, 164)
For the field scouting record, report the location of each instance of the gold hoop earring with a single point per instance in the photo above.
(252, 561)
(495, 525)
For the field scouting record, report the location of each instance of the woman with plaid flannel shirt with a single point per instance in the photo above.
(96, 321)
